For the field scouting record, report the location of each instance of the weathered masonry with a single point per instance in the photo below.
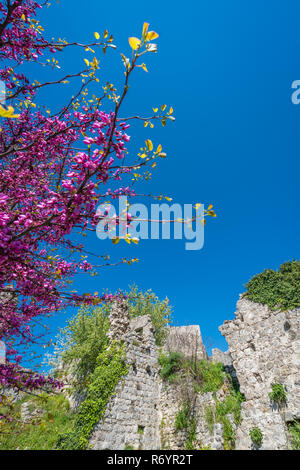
(265, 348)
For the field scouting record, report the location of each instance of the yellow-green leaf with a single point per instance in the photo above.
(134, 43)
(116, 240)
(87, 62)
(145, 29)
(97, 35)
(151, 35)
(144, 67)
(212, 213)
(8, 113)
(149, 145)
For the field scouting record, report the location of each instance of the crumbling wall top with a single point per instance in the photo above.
(186, 340)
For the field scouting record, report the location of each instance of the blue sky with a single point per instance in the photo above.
(227, 69)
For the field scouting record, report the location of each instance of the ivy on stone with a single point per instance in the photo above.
(107, 374)
(256, 436)
(277, 289)
(278, 394)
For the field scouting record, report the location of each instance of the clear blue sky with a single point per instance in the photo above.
(226, 68)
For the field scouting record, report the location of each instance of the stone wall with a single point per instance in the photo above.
(171, 402)
(132, 416)
(142, 413)
(186, 340)
(265, 348)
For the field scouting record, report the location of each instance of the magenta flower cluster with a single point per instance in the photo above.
(52, 170)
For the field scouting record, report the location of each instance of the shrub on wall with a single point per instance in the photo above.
(256, 436)
(278, 394)
(182, 418)
(170, 364)
(41, 432)
(294, 432)
(85, 334)
(111, 366)
(147, 303)
(277, 289)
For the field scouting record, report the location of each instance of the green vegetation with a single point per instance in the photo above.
(85, 335)
(206, 375)
(96, 367)
(278, 394)
(191, 435)
(231, 405)
(182, 418)
(147, 303)
(210, 376)
(256, 436)
(210, 418)
(110, 368)
(83, 339)
(170, 364)
(128, 447)
(41, 433)
(277, 289)
(185, 420)
(294, 432)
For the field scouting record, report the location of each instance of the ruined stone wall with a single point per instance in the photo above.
(172, 400)
(142, 413)
(186, 340)
(132, 416)
(265, 348)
